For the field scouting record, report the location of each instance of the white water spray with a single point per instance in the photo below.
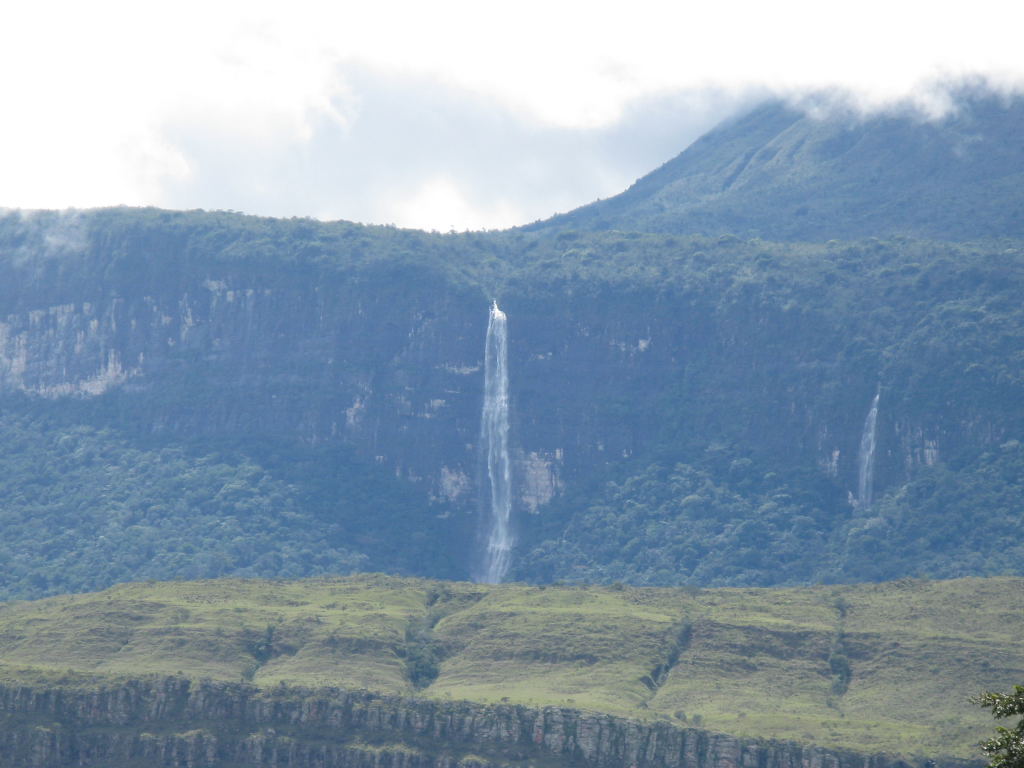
(866, 468)
(494, 438)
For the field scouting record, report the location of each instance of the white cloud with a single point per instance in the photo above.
(223, 104)
(440, 199)
(407, 135)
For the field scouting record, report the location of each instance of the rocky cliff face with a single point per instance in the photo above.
(175, 722)
(161, 331)
(390, 360)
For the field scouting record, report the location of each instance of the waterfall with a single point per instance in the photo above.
(866, 458)
(494, 439)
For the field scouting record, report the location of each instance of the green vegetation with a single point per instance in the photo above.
(780, 173)
(664, 527)
(85, 508)
(722, 481)
(685, 525)
(298, 398)
(1007, 748)
(872, 668)
(947, 522)
(313, 633)
(215, 396)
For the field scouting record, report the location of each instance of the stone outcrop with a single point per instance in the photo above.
(178, 722)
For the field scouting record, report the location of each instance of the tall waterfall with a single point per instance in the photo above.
(866, 473)
(494, 439)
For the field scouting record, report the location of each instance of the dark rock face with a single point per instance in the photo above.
(173, 722)
(175, 327)
(390, 361)
(387, 362)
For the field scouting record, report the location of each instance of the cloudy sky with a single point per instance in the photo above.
(440, 115)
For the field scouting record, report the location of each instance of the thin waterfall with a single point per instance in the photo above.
(494, 439)
(866, 458)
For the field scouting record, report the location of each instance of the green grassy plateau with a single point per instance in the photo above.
(879, 667)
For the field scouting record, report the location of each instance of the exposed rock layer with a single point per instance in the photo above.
(176, 722)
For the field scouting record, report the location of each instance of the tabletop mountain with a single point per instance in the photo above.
(194, 394)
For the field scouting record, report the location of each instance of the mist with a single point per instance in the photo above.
(414, 152)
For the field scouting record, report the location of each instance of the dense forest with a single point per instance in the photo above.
(198, 394)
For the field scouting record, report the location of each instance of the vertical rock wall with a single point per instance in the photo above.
(172, 722)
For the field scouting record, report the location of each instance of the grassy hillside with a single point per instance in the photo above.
(883, 667)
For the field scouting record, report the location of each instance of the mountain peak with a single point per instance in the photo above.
(783, 173)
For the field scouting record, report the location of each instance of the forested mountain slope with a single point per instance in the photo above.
(783, 173)
(191, 395)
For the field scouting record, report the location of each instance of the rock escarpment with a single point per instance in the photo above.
(177, 722)
(194, 326)
(753, 362)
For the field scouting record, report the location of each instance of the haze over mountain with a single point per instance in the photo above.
(785, 172)
(441, 121)
(792, 356)
(228, 395)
